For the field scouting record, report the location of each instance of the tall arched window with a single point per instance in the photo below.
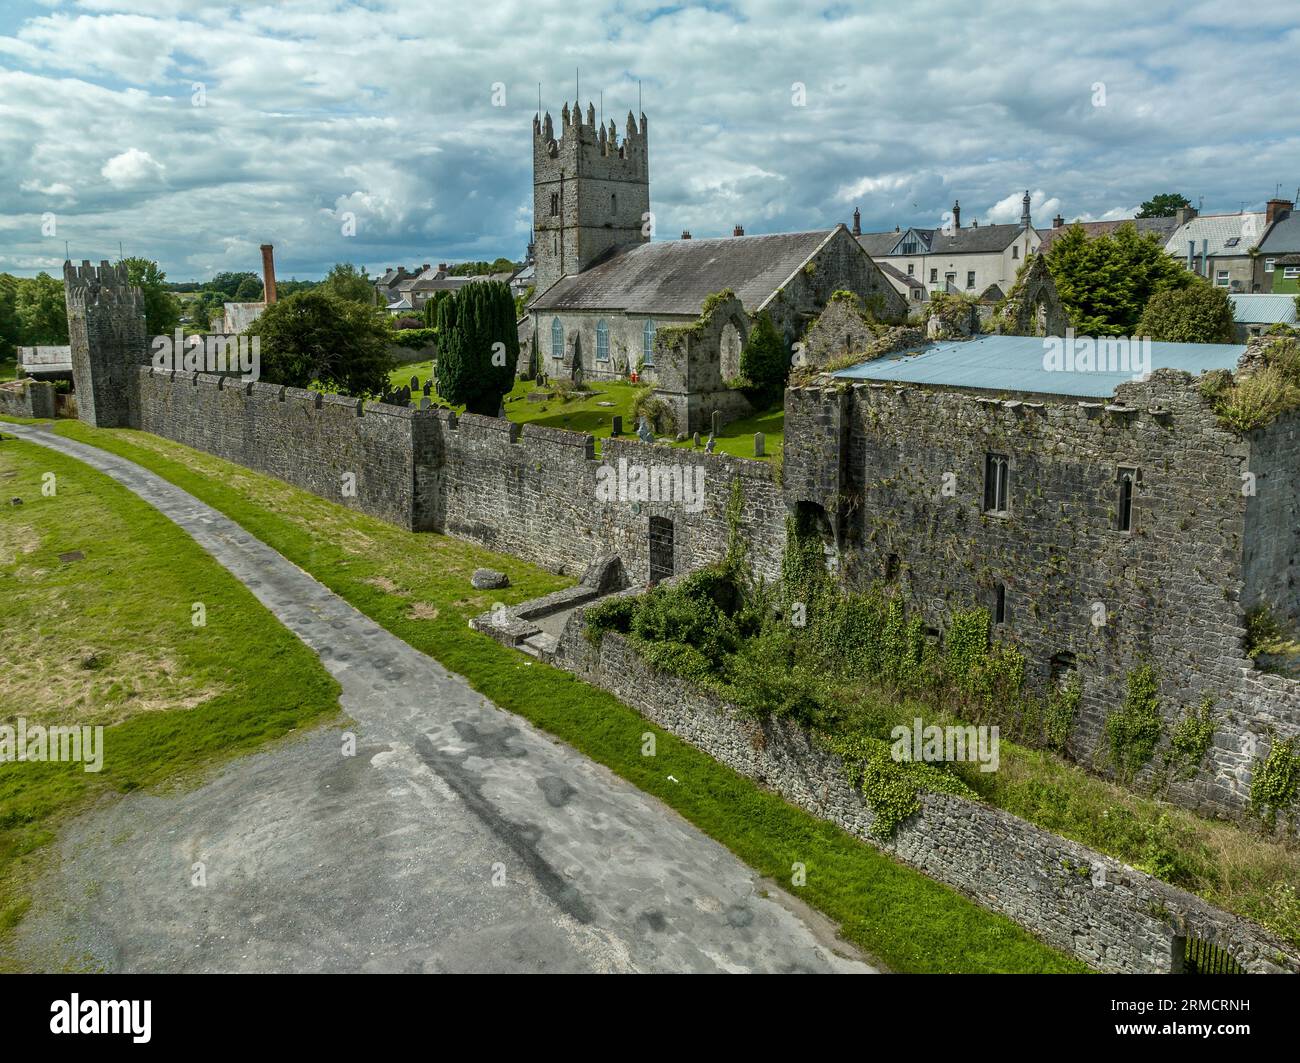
(602, 342)
(648, 343)
(557, 338)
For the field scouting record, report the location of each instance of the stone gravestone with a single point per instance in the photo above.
(415, 383)
(759, 442)
(716, 429)
(428, 387)
(643, 431)
(695, 440)
(424, 403)
(616, 429)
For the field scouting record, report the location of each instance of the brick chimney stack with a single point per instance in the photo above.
(739, 230)
(268, 274)
(1058, 222)
(1183, 215)
(857, 222)
(1278, 208)
(686, 234)
(956, 213)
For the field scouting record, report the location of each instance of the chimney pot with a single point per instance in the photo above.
(857, 222)
(686, 234)
(1278, 208)
(1057, 222)
(739, 230)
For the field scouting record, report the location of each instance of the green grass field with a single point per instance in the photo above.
(417, 586)
(109, 639)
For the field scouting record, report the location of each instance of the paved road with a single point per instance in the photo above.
(459, 838)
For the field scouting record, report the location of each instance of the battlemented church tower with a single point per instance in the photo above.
(590, 193)
(106, 330)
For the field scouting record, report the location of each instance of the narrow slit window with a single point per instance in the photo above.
(1127, 479)
(997, 483)
(1000, 605)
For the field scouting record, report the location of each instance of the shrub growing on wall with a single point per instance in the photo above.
(472, 370)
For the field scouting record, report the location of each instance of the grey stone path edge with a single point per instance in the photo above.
(458, 838)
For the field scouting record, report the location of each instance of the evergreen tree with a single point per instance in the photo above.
(1106, 283)
(472, 370)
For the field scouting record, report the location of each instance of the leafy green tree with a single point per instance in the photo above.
(162, 310)
(1199, 313)
(764, 362)
(228, 283)
(346, 281)
(316, 337)
(42, 311)
(1165, 205)
(482, 268)
(1106, 283)
(471, 369)
(249, 290)
(10, 326)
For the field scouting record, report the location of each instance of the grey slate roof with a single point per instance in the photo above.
(1016, 364)
(1162, 227)
(1284, 235)
(1218, 231)
(676, 276)
(890, 270)
(877, 244)
(973, 239)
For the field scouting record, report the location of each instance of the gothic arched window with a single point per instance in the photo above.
(602, 342)
(648, 343)
(557, 338)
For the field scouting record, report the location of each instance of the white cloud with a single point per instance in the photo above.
(314, 109)
(131, 169)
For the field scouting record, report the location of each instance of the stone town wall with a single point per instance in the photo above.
(900, 474)
(537, 494)
(310, 440)
(27, 398)
(1107, 914)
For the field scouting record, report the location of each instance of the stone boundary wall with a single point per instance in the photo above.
(306, 439)
(27, 398)
(534, 493)
(1107, 914)
(531, 493)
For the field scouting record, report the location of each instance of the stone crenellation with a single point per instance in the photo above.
(106, 331)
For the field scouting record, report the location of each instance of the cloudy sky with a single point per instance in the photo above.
(191, 132)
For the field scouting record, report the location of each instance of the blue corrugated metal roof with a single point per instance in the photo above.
(1020, 363)
(1264, 309)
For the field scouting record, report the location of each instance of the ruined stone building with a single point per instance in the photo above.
(605, 289)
